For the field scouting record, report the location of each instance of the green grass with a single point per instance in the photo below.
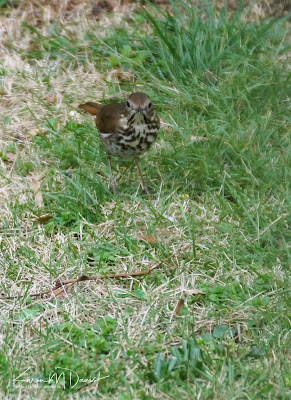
(210, 75)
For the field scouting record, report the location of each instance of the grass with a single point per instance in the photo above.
(220, 176)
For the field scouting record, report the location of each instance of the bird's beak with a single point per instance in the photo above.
(139, 109)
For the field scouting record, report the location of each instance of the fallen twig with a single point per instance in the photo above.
(179, 306)
(62, 286)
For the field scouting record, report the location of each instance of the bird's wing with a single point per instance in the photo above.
(108, 117)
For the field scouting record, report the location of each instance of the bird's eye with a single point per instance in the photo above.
(128, 104)
(150, 105)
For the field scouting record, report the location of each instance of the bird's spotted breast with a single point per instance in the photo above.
(131, 139)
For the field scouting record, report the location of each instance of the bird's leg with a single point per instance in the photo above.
(143, 185)
(111, 176)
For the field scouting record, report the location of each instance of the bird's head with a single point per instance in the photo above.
(139, 103)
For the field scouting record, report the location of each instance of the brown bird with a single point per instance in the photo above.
(127, 129)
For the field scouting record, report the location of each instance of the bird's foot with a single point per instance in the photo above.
(145, 190)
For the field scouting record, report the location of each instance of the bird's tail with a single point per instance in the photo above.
(90, 107)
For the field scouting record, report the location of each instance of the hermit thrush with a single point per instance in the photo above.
(126, 129)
